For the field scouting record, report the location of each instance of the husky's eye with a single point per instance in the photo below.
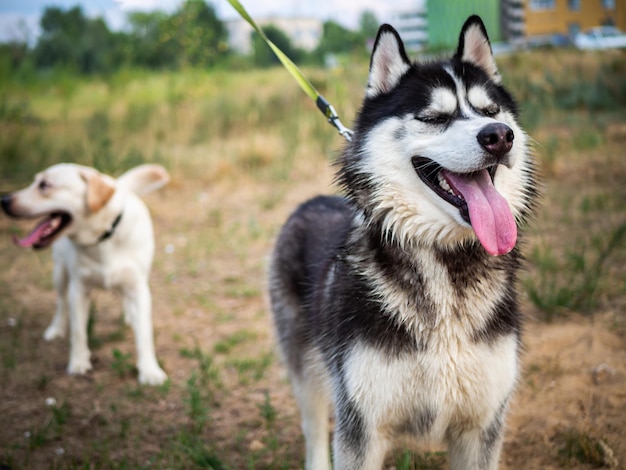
(435, 119)
(490, 111)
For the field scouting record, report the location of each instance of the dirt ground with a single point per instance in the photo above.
(208, 286)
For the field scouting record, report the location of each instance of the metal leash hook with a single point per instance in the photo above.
(332, 116)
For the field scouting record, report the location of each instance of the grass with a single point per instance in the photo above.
(581, 446)
(572, 282)
(243, 149)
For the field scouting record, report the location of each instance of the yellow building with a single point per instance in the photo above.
(567, 17)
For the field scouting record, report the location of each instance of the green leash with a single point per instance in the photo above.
(324, 106)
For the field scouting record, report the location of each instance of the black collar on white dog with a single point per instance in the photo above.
(109, 233)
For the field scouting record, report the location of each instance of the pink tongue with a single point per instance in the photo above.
(36, 235)
(489, 212)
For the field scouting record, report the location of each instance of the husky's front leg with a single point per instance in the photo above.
(356, 445)
(138, 309)
(477, 449)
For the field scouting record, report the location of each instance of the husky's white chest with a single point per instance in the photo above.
(423, 393)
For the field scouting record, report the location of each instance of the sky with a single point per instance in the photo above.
(19, 19)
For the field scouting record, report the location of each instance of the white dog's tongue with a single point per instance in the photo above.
(43, 229)
(490, 214)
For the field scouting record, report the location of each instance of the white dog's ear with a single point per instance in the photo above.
(100, 188)
(144, 179)
(475, 48)
(389, 62)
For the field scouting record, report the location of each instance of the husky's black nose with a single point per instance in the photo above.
(496, 138)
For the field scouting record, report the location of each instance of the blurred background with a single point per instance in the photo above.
(112, 84)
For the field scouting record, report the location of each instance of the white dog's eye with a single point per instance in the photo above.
(43, 185)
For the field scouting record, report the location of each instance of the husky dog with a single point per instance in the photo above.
(395, 304)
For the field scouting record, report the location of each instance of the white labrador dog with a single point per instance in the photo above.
(102, 235)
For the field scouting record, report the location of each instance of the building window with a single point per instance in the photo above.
(543, 4)
(574, 5)
(608, 4)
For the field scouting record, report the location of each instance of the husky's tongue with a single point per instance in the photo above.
(489, 212)
(42, 230)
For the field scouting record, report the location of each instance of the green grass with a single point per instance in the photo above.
(226, 345)
(582, 447)
(427, 461)
(251, 368)
(122, 363)
(572, 278)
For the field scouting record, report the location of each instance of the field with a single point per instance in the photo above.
(244, 148)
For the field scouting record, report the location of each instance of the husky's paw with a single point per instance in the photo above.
(79, 366)
(152, 376)
(53, 332)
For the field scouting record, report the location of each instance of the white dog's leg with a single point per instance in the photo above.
(138, 308)
(78, 299)
(58, 325)
(314, 408)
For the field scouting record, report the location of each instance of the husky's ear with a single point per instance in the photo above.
(474, 47)
(100, 188)
(389, 62)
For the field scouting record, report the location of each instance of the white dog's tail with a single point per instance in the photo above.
(144, 179)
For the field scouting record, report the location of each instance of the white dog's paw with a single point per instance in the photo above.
(53, 332)
(79, 366)
(152, 376)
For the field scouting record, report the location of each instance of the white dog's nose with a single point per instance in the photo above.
(6, 204)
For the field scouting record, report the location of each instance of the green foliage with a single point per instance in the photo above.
(428, 461)
(191, 36)
(251, 368)
(198, 410)
(226, 345)
(194, 447)
(571, 282)
(368, 25)
(582, 447)
(70, 39)
(122, 363)
(337, 40)
(581, 85)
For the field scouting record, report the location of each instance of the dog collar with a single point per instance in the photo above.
(109, 233)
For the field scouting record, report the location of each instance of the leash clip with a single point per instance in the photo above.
(333, 117)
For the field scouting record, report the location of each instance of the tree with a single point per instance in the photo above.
(70, 39)
(337, 40)
(144, 45)
(195, 34)
(191, 36)
(368, 25)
